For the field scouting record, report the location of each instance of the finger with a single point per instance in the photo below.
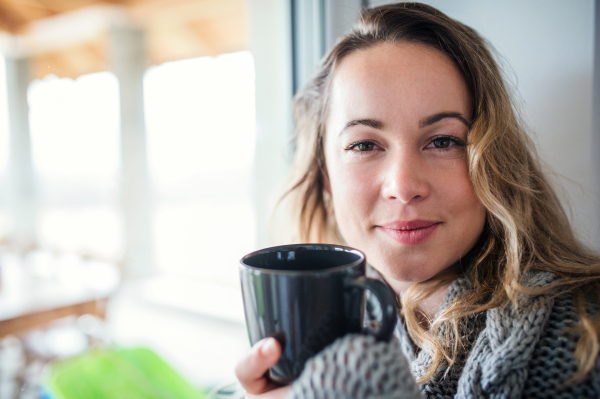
(278, 393)
(251, 370)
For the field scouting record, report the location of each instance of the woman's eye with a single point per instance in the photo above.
(445, 143)
(362, 146)
(442, 142)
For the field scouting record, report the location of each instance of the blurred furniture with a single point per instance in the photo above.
(30, 298)
(34, 313)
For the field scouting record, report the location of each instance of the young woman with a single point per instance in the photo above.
(409, 149)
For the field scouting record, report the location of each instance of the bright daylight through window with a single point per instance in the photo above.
(200, 131)
(200, 124)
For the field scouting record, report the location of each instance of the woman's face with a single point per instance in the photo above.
(396, 160)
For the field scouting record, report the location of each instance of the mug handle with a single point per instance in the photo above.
(387, 301)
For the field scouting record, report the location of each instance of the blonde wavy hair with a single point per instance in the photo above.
(526, 227)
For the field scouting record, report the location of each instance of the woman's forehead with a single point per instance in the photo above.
(397, 80)
(398, 54)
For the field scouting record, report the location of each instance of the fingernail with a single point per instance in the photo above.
(269, 347)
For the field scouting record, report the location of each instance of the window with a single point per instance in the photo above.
(75, 150)
(5, 216)
(200, 125)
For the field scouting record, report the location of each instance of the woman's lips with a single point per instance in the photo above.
(412, 232)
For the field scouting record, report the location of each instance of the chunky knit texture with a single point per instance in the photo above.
(525, 351)
(357, 367)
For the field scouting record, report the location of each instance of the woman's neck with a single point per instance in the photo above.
(430, 305)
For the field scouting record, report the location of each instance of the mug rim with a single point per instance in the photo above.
(361, 259)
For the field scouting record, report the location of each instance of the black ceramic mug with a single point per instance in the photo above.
(307, 296)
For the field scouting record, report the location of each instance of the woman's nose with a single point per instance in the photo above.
(405, 180)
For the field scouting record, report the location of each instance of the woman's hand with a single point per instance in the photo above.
(251, 370)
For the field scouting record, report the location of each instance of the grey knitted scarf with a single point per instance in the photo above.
(525, 351)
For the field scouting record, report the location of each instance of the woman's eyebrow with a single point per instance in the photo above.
(430, 120)
(375, 124)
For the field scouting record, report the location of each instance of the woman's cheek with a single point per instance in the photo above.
(354, 198)
(355, 185)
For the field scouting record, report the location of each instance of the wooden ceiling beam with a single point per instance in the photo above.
(67, 44)
(63, 31)
(58, 6)
(27, 3)
(184, 9)
(27, 11)
(73, 61)
(17, 14)
(8, 21)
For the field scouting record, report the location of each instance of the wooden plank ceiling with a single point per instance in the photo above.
(175, 29)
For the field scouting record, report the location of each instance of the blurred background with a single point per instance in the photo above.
(142, 143)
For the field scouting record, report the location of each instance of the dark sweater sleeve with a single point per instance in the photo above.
(357, 366)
